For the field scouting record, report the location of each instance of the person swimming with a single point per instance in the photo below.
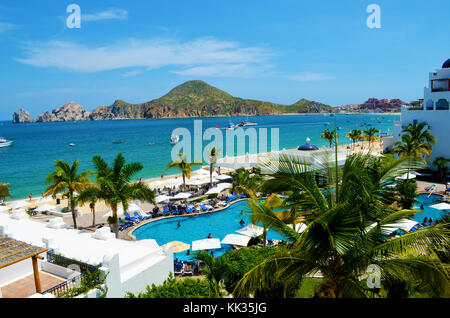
(178, 224)
(242, 222)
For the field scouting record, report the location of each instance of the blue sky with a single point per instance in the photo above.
(279, 51)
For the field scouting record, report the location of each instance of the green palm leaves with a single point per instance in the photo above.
(114, 186)
(416, 142)
(329, 135)
(184, 166)
(64, 177)
(369, 135)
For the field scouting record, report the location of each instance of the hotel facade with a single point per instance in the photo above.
(434, 110)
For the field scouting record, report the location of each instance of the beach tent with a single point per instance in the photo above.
(178, 247)
(206, 244)
(162, 198)
(182, 195)
(299, 227)
(236, 239)
(202, 171)
(45, 207)
(441, 206)
(251, 230)
(19, 204)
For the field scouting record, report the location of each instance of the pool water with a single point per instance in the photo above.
(219, 224)
(427, 201)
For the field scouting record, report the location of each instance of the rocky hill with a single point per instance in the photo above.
(190, 99)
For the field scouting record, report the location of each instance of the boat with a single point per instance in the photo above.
(151, 143)
(118, 141)
(5, 143)
(72, 145)
(245, 123)
(174, 139)
(231, 126)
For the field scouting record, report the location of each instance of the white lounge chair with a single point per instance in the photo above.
(103, 233)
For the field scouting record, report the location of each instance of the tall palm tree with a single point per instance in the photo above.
(441, 163)
(244, 183)
(354, 135)
(329, 135)
(420, 133)
(417, 142)
(184, 166)
(64, 177)
(345, 235)
(4, 191)
(213, 153)
(114, 186)
(369, 134)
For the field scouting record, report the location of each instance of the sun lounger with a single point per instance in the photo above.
(188, 270)
(138, 216)
(130, 218)
(178, 269)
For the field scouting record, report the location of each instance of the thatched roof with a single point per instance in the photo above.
(13, 251)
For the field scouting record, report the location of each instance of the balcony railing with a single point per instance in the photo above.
(440, 90)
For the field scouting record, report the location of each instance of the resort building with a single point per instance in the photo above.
(62, 253)
(434, 110)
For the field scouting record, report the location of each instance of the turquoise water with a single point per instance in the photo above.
(27, 162)
(219, 224)
(428, 212)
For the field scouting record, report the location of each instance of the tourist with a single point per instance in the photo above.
(424, 221)
(209, 235)
(242, 222)
(188, 252)
(178, 224)
(162, 175)
(422, 207)
(30, 196)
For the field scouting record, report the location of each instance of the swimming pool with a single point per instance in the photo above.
(219, 224)
(427, 201)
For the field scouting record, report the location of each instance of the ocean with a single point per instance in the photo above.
(31, 157)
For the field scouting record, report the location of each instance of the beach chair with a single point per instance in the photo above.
(130, 218)
(188, 270)
(204, 208)
(138, 216)
(166, 210)
(178, 269)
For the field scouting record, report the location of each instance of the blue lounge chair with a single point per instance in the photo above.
(204, 208)
(138, 216)
(130, 218)
(166, 210)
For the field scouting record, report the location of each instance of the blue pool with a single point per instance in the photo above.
(427, 201)
(219, 224)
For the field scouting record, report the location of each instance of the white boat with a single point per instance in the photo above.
(72, 145)
(174, 139)
(245, 123)
(231, 126)
(5, 143)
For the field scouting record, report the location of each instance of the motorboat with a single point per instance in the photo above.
(72, 145)
(174, 139)
(118, 141)
(5, 143)
(246, 123)
(231, 126)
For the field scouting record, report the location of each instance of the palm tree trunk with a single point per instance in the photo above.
(115, 225)
(210, 174)
(72, 208)
(184, 181)
(93, 215)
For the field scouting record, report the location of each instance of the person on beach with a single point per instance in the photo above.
(30, 196)
(209, 236)
(162, 175)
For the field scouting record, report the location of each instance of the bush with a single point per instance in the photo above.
(172, 288)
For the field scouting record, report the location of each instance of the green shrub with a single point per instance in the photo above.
(172, 288)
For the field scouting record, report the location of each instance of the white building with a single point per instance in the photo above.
(434, 110)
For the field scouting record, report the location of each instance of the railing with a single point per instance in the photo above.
(66, 262)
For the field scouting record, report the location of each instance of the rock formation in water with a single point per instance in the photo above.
(22, 116)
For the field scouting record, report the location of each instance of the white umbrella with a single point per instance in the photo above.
(441, 206)
(406, 176)
(223, 177)
(403, 224)
(202, 171)
(251, 230)
(182, 195)
(225, 185)
(214, 190)
(45, 207)
(206, 244)
(162, 198)
(236, 239)
(19, 204)
(299, 227)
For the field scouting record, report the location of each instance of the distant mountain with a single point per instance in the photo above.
(190, 99)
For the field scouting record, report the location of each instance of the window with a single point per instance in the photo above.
(430, 104)
(442, 104)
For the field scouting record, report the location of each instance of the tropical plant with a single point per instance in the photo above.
(67, 177)
(88, 281)
(369, 135)
(246, 183)
(407, 192)
(441, 163)
(114, 186)
(417, 142)
(354, 135)
(4, 191)
(329, 136)
(213, 271)
(184, 166)
(173, 288)
(346, 234)
(213, 153)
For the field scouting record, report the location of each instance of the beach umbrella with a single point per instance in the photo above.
(299, 227)
(214, 190)
(225, 185)
(182, 195)
(162, 198)
(19, 204)
(206, 244)
(402, 224)
(45, 207)
(223, 177)
(406, 176)
(236, 239)
(178, 247)
(251, 230)
(441, 206)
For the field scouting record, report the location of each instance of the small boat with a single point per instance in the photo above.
(174, 139)
(118, 141)
(5, 143)
(246, 123)
(72, 145)
(151, 143)
(231, 126)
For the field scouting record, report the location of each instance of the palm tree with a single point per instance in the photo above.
(67, 177)
(417, 142)
(441, 164)
(345, 235)
(213, 271)
(354, 135)
(369, 135)
(213, 153)
(420, 133)
(184, 166)
(244, 183)
(4, 191)
(329, 135)
(114, 186)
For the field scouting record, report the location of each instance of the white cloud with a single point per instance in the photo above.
(205, 55)
(5, 27)
(110, 14)
(310, 77)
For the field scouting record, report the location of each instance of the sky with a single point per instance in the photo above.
(277, 51)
